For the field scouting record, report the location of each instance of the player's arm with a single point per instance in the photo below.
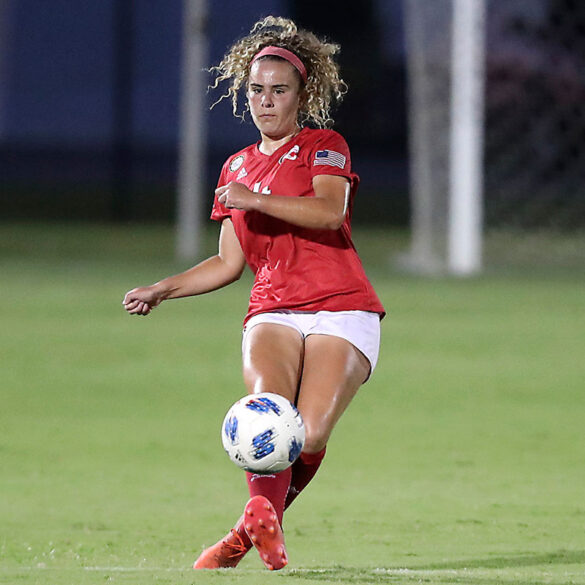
(326, 210)
(215, 272)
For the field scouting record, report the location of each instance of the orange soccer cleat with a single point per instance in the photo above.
(263, 528)
(226, 553)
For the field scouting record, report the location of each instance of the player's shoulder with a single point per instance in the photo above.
(325, 138)
(319, 134)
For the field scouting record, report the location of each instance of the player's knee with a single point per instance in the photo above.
(316, 437)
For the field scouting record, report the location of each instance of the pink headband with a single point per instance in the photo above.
(286, 55)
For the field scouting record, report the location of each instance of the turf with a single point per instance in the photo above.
(461, 461)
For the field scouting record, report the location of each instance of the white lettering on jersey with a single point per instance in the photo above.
(258, 186)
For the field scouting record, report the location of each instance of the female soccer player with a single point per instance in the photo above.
(312, 330)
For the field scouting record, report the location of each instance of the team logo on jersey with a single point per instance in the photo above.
(291, 154)
(237, 163)
(242, 174)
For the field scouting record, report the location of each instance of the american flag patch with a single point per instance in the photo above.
(329, 157)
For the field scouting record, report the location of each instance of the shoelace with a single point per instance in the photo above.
(239, 547)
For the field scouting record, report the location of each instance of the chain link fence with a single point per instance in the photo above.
(535, 114)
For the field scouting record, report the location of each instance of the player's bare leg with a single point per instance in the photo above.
(272, 362)
(273, 359)
(333, 371)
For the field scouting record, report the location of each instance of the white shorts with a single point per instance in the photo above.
(360, 328)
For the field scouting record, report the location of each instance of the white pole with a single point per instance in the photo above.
(466, 164)
(422, 257)
(191, 181)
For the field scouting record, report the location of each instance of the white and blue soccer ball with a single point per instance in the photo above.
(263, 433)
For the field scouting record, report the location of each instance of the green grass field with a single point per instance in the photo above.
(461, 461)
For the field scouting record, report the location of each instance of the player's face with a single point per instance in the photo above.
(274, 97)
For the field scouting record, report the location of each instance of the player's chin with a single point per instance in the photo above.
(267, 124)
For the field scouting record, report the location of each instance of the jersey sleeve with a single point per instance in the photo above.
(330, 156)
(219, 212)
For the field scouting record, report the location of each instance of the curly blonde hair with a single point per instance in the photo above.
(323, 86)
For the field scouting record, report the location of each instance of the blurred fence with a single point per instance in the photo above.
(534, 157)
(534, 209)
(535, 114)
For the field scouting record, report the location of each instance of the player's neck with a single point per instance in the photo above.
(270, 144)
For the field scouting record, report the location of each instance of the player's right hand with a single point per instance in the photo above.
(141, 301)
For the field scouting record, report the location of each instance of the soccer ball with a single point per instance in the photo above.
(263, 433)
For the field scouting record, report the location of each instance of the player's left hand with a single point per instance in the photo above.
(236, 196)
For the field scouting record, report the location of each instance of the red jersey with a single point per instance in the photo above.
(299, 269)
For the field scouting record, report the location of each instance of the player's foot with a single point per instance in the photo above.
(263, 528)
(226, 553)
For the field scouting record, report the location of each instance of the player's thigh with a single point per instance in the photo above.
(333, 371)
(272, 358)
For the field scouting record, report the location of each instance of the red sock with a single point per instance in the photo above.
(273, 487)
(303, 471)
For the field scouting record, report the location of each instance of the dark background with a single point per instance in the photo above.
(89, 116)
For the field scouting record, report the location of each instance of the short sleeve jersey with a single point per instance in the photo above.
(296, 268)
